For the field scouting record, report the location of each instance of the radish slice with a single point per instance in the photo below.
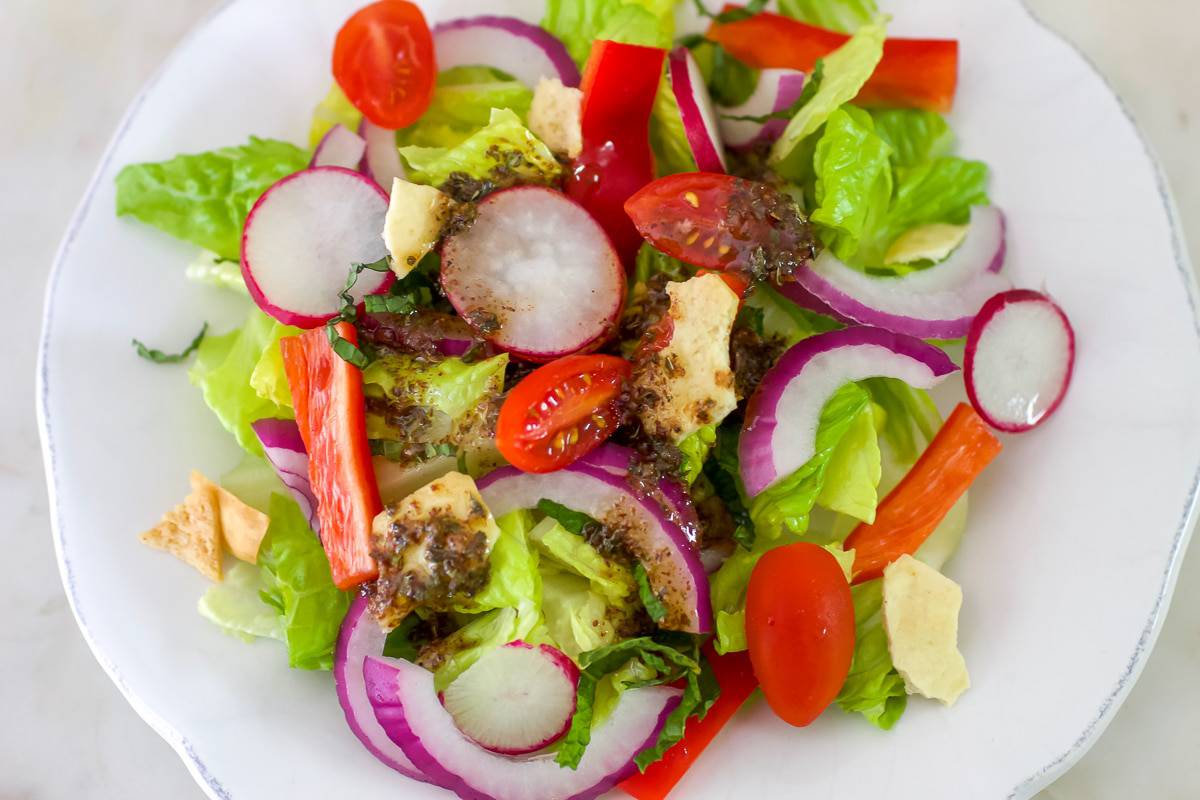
(668, 555)
(516, 699)
(406, 706)
(1019, 358)
(934, 303)
(779, 435)
(535, 274)
(340, 147)
(525, 51)
(776, 91)
(381, 158)
(696, 110)
(284, 448)
(360, 637)
(302, 237)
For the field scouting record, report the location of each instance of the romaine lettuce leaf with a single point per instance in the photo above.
(235, 605)
(212, 270)
(576, 618)
(672, 153)
(462, 103)
(843, 16)
(299, 585)
(845, 71)
(578, 23)
(504, 152)
(513, 579)
(854, 469)
(910, 418)
(223, 369)
(612, 581)
(695, 449)
(783, 319)
(481, 634)
(941, 190)
(853, 184)
(253, 481)
(204, 198)
(873, 688)
(915, 136)
(334, 109)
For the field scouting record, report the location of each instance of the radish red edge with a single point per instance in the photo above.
(1020, 350)
(280, 252)
(480, 700)
(556, 258)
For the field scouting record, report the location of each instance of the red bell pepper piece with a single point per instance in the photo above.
(958, 453)
(330, 411)
(914, 73)
(736, 676)
(619, 85)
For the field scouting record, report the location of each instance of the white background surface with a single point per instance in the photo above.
(69, 70)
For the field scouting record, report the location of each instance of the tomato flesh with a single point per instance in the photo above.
(331, 415)
(383, 60)
(799, 629)
(721, 222)
(561, 411)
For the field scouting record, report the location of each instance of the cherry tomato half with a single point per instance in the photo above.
(561, 411)
(383, 60)
(721, 222)
(800, 629)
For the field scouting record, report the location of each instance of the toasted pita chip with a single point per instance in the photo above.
(242, 527)
(192, 531)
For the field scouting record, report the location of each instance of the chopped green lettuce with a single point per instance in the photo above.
(204, 198)
(236, 606)
(299, 585)
(941, 190)
(784, 320)
(462, 104)
(915, 136)
(334, 109)
(910, 419)
(672, 153)
(695, 449)
(223, 369)
(578, 23)
(212, 270)
(482, 634)
(853, 472)
(576, 617)
(845, 71)
(843, 16)
(873, 688)
(504, 152)
(612, 581)
(253, 481)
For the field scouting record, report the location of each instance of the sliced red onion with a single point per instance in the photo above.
(340, 147)
(670, 558)
(527, 52)
(934, 303)
(360, 637)
(302, 234)
(777, 90)
(284, 448)
(696, 111)
(381, 159)
(614, 459)
(407, 707)
(779, 435)
(1019, 358)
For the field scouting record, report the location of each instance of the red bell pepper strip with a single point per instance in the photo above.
(619, 85)
(736, 676)
(958, 453)
(330, 411)
(914, 73)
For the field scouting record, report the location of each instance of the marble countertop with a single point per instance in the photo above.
(69, 71)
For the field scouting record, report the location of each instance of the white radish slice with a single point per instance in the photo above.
(696, 111)
(381, 158)
(934, 303)
(303, 236)
(340, 147)
(516, 699)
(535, 274)
(779, 435)
(777, 90)
(406, 706)
(1019, 358)
(527, 52)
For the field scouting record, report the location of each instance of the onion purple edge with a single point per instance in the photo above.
(548, 43)
(699, 136)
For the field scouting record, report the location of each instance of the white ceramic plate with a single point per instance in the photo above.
(1075, 534)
